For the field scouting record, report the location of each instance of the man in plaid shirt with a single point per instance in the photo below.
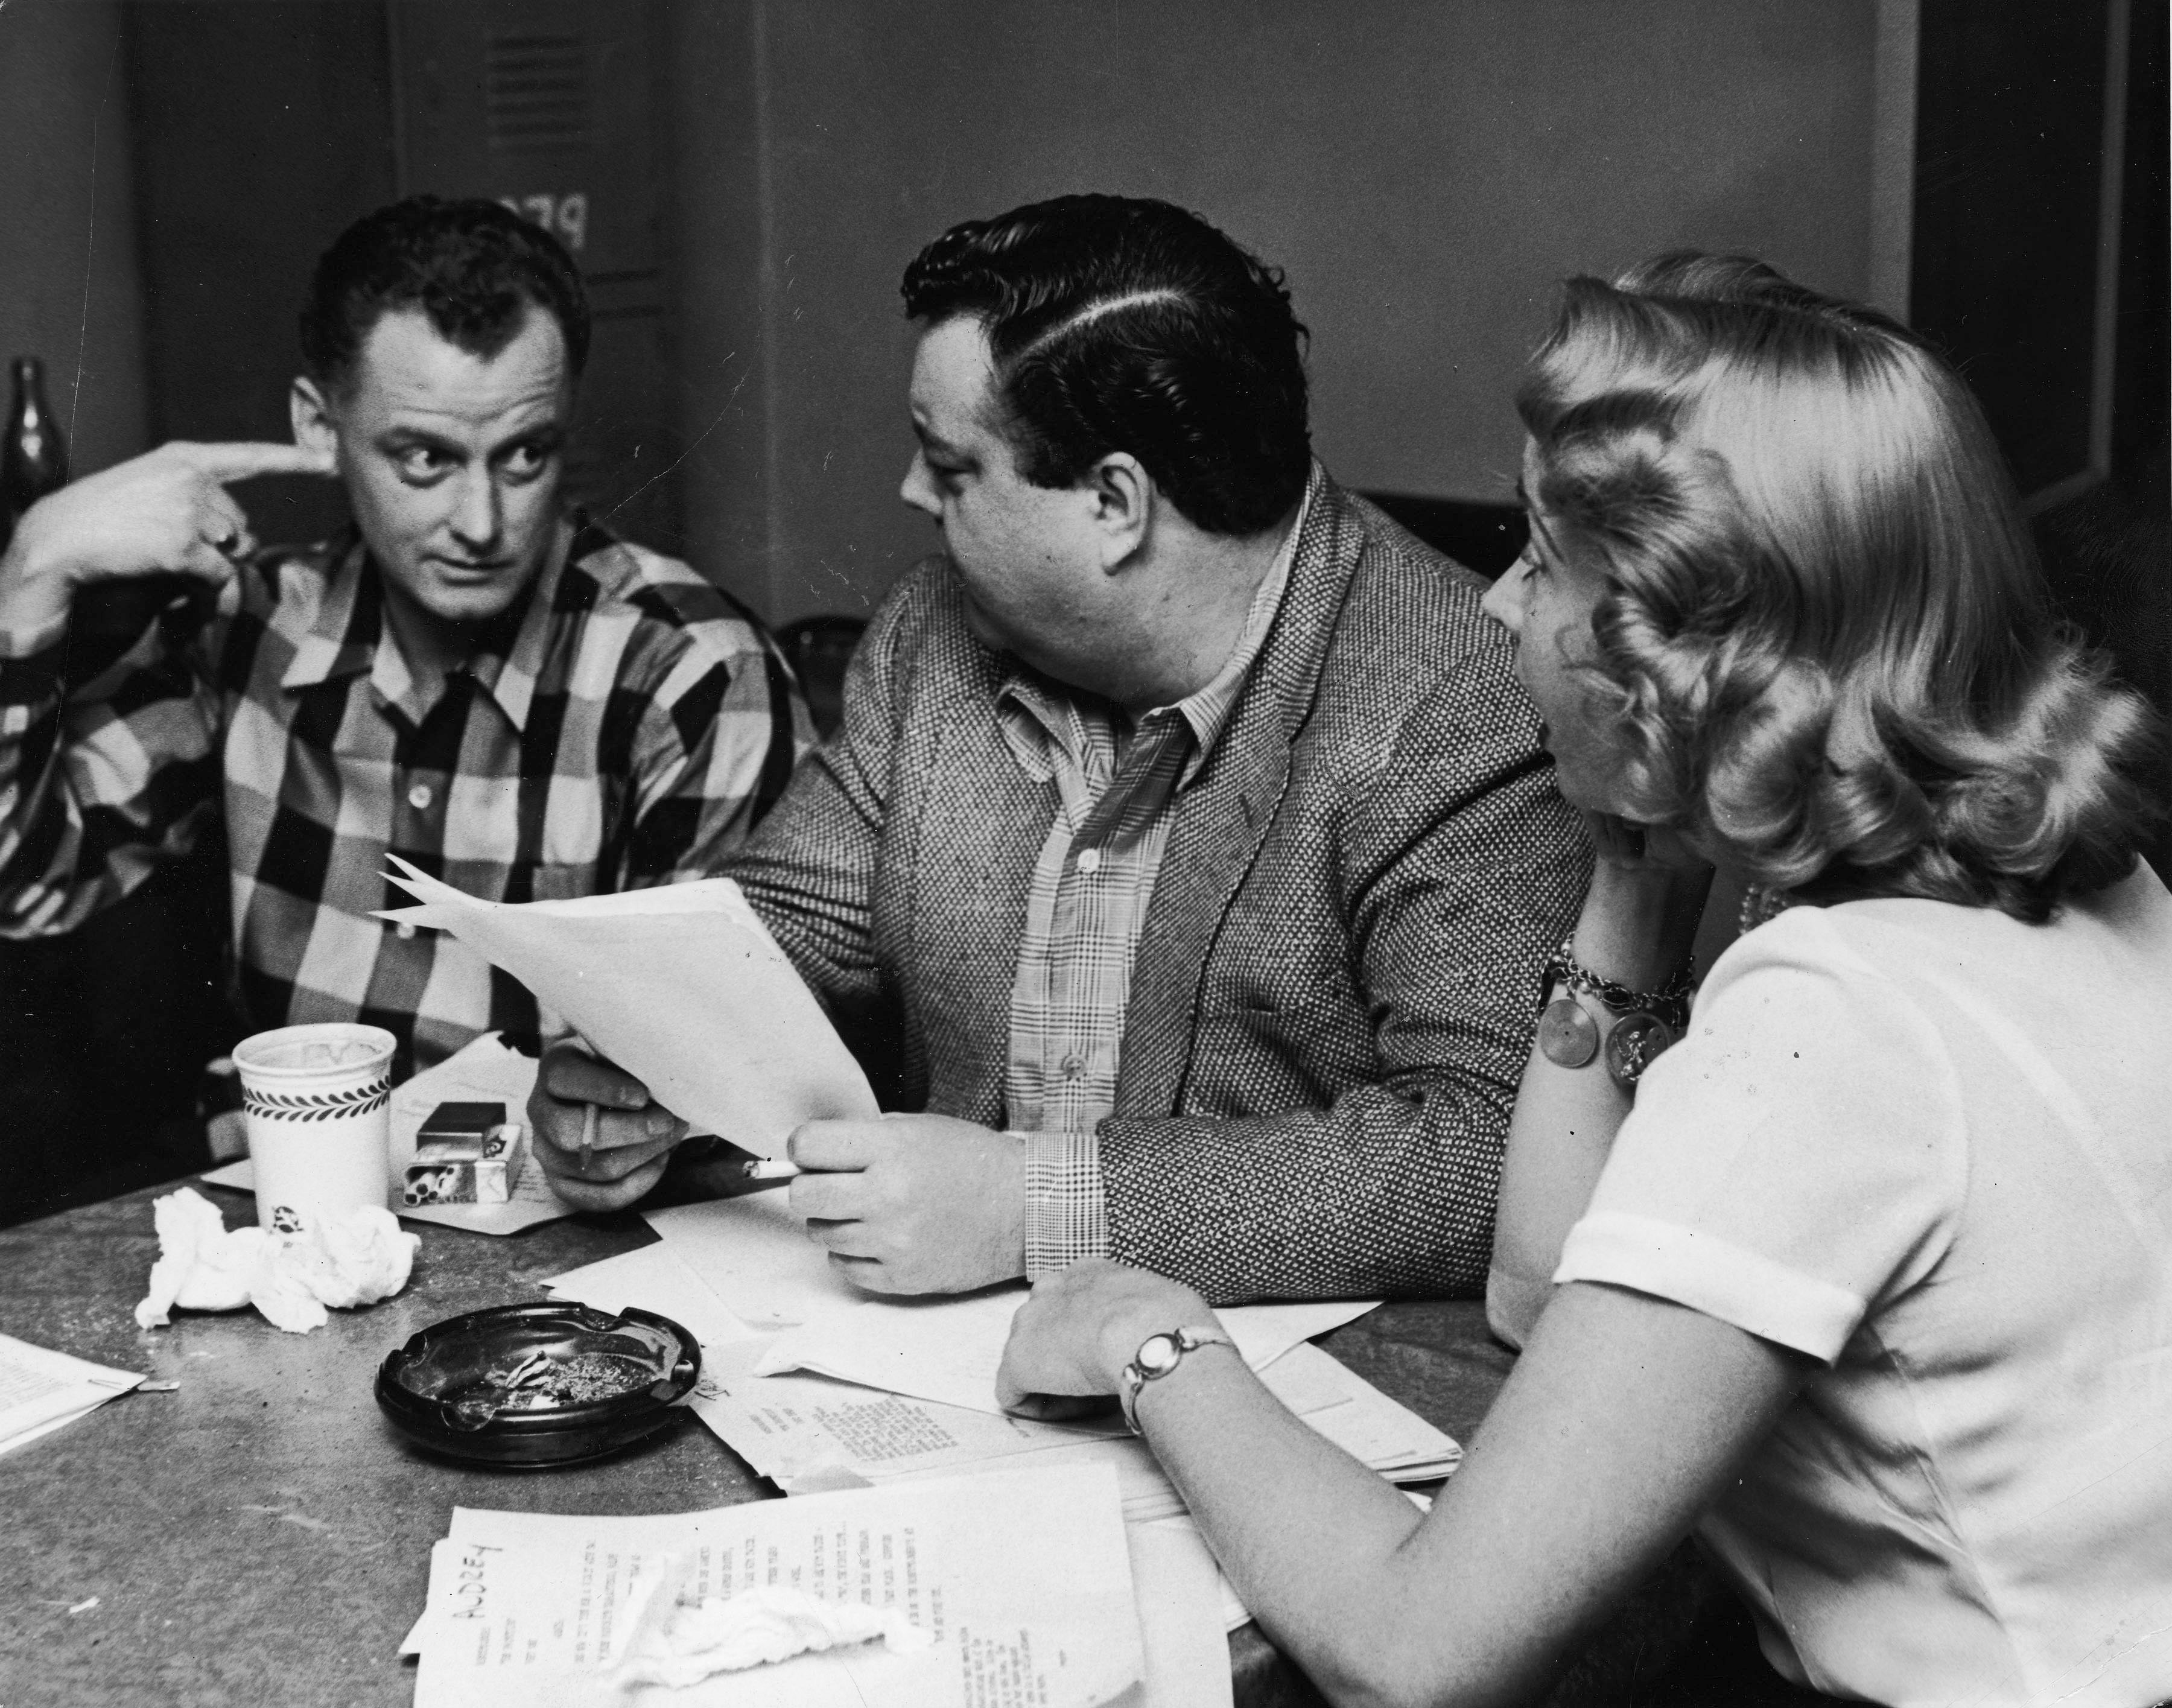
(511, 699)
(1187, 832)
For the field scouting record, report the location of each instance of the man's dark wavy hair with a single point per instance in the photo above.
(475, 267)
(1125, 325)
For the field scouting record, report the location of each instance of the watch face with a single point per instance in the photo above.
(1158, 1353)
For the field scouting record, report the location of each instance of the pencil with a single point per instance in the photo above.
(588, 1136)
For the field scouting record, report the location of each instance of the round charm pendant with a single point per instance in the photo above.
(1636, 1042)
(1567, 1036)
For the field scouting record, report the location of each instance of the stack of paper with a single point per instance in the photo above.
(813, 1433)
(806, 1432)
(810, 1431)
(1030, 1587)
(754, 1254)
(41, 1390)
(681, 985)
(1330, 1397)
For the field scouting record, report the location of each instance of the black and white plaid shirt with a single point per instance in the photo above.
(626, 725)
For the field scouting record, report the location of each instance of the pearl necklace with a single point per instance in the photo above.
(1760, 903)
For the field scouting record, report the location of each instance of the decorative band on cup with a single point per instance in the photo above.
(315, 1105)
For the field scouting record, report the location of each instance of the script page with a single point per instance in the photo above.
(1024, 1581)
(682, 986)
(42, 1389)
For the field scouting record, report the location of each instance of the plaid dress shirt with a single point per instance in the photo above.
(624, 725)
(1084, 912)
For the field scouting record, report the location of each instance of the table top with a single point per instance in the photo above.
(260, 1534)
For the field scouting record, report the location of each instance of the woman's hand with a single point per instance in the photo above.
(1082, 1325)
(1622, 842)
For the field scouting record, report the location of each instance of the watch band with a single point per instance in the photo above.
(1158, 1355)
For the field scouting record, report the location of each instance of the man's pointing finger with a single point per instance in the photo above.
(244, 460)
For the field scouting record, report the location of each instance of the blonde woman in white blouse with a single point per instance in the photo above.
(1874, 1288)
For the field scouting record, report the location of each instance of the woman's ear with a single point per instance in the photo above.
(310, 411)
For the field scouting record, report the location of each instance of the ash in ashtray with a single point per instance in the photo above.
(542, 1383)
(591, 1376)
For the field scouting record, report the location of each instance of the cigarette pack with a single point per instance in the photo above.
(465, 1153)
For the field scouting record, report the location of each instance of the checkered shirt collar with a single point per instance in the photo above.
(342, 632)
(1055, 712)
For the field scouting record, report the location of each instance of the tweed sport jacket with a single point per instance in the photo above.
(1333, 996)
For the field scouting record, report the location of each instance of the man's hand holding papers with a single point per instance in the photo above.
(706, 1027)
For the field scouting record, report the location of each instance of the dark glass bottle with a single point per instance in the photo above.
(32, 457)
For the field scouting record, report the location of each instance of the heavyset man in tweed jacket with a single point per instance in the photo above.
(1187, 848)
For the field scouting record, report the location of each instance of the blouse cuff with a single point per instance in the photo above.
(1714, 1275)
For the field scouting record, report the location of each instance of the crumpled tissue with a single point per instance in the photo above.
(356, 1258)
(677, 1644)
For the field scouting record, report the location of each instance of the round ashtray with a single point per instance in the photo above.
(540, 1384)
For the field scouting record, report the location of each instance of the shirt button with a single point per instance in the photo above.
(1089, 860)
(1073, 1065)
(420, 797)
(403, 931)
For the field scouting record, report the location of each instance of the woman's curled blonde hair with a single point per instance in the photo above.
(1825, 638)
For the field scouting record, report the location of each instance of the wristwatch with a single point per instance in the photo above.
(1158, 1355)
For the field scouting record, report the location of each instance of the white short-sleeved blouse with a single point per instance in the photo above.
(1931, 1146)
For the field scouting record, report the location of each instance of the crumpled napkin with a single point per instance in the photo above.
(352, 1259)
(677, 1645)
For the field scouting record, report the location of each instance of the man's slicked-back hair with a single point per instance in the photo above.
(1124, 324)
(475, 267)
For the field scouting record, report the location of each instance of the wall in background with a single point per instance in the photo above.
(331, 108)
(237, 198)
(1425, 174)
(2037, 110)
(68, 284)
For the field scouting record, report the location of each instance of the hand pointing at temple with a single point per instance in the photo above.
(165, 510)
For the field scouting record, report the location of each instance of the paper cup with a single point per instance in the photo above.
(317, 1100)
